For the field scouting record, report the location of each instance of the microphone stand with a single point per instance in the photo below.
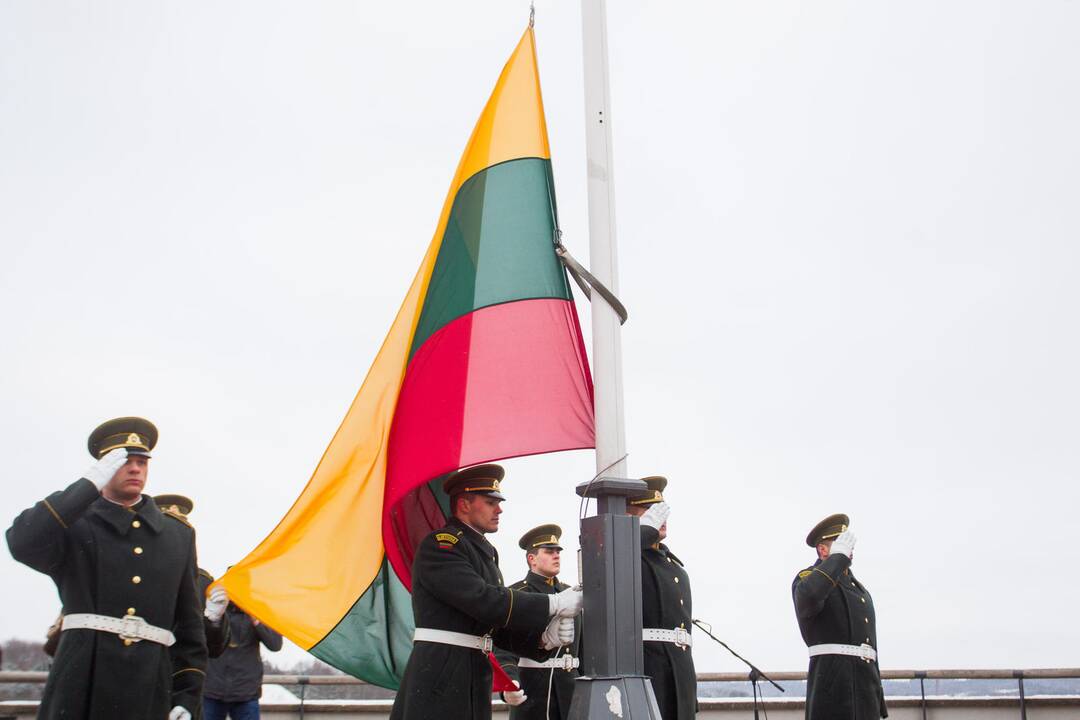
(755, 673)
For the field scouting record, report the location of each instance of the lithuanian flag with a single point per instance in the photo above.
(484, 361)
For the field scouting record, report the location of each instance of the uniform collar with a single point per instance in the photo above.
(120, 517)
(476, 537)
(540, 582)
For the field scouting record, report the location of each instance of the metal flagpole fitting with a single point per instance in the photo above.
(532, 14)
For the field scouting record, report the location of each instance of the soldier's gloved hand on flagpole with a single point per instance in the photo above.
(216, 604)
(514, 697)
(559, 632)
(101, 472)
(844, 544)
(656, 515)
(565, 604)
(179, 713)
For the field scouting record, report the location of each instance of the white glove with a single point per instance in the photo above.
(656, 515)
(179, 713)
(844, 544)
(216, 604)
(101, 472)
(566, 631)
(559, 632)
(514, 697)
(565, 604)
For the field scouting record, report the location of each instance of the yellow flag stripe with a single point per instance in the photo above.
(306, 575)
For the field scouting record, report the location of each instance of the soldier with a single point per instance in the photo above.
(836, 619)
(132, 645)
(665, 608)
(179, 507)
(462, 609)
(546, 687)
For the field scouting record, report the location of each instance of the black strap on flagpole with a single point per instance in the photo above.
(586, 280)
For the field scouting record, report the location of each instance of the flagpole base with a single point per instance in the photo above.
(627, 697)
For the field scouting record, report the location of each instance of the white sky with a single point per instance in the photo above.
(848, 242)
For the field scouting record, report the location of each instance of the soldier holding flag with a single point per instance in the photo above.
(462, 610)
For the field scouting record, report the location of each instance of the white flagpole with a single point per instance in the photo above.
(603, 258)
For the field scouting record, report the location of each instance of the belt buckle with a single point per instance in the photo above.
(486, 643)
(130, 625)
(567, 662)
(682, 637)
(866, 658)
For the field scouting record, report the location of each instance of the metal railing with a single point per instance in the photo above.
(303, 681)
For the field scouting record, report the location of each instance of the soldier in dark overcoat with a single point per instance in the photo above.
(666, 607)
(179, 507)
(548, 687)
(132, 645)
(462, 609)
(837, 622)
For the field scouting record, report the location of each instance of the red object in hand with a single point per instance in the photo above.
(500, 681)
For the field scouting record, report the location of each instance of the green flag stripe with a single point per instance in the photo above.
(374, 639)
(497, 246)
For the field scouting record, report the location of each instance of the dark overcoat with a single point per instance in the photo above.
(111, 560)
(237, 675)
(457, 586)
(666, 604)
(833, 607)
(536, 681)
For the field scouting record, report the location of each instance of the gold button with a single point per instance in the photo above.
(136, 523)
(676, 579)
(680, 601)
(863, 599)
(852, 584)
(867, 639)
(866, 620)
(136, 579)
(131, 611)
(682, 625)
(128, 642)
(138, 551)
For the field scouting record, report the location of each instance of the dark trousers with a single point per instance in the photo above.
(219, 710)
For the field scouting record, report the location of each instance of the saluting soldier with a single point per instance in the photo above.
(666, 607)
(132, 645)
(836, 619)
(546, 687)
(179, 507)
(462, 609)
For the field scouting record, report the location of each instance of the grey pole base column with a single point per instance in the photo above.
(614, 684)
(623, 697)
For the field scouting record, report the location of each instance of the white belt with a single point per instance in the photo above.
(678, 636)
(860, 651)
(129, 627)
(447, 637)
(566, 662)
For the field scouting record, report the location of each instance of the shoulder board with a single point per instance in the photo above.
(445, 537)
(806, 573)
(177, 518)
(675, 557)
(519, 585)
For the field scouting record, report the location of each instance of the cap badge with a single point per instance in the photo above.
(495, 485)
(657, 495)
(134, 438)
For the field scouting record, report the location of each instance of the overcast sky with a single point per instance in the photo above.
(848, 237)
